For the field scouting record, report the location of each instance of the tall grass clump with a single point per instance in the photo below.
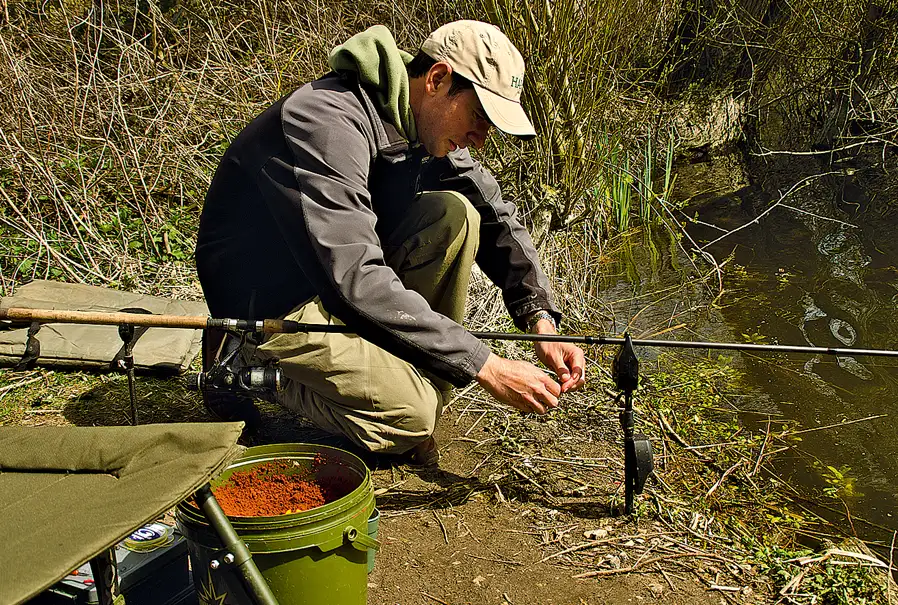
(632, 184)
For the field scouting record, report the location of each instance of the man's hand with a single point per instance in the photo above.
(566, 359)
(519, 384)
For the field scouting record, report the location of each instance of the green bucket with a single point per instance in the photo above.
(317, 556)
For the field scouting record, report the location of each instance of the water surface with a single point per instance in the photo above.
(818, 270)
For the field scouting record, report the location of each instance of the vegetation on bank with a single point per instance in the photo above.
(731, 477)
(113, 116)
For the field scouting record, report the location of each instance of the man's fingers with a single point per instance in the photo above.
(546, 403)
(528, 403)
(560, 368)
(543, 397)
(577, 380)
(520, 384)
(552, 387)
(551, 393)
(573, 384)
(537, 407)
(552, 354)
(577, 376)
(567, 361)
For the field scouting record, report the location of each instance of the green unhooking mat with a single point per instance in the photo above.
(95, 347)
(69, 493)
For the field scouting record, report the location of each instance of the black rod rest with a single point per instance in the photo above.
(638, 457)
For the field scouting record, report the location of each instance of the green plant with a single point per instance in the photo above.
(807, 578)
(755, 338)
(840, 484)
(627, 179)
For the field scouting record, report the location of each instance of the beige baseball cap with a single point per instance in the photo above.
(484, 55)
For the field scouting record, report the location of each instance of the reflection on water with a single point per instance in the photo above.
(819, 277)
(820, 272)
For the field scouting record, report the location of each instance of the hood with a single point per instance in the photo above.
(379, 64)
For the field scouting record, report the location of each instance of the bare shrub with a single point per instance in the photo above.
(116, 113)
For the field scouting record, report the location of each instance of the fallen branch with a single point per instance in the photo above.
(796, 187)
(723, 477)
(837, 424)
(546, 492)
(891, 560)
(442, 527)
(11, 387)
(592, 543)
(838, 552)
(385, 490)
(610, 572)
(761, 451)
(672, 433)
(680, 441)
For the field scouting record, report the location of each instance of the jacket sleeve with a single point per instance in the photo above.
(507, 254)
(326, 214)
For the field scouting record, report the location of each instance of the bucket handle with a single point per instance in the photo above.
(360, 540)
(351, 535)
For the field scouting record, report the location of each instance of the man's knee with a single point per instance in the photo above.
(435, 228)
(416, 419)
(390, 415)
(396, 427)
(454, 212)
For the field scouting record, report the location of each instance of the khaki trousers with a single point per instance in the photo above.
(346, 385)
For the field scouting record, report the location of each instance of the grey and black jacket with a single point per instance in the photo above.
(292, 213)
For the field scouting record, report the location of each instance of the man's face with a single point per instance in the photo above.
(446, 123)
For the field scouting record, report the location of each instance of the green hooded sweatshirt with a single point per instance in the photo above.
(374, 56)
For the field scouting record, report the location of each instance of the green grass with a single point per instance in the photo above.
(46, 397)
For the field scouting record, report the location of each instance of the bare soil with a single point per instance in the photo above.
(482, 548)
(510, 494)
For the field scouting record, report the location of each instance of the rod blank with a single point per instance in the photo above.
(684, 344)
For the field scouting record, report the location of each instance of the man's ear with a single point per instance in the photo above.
(438, 75)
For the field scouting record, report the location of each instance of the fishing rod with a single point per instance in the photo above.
(226, 375)
(283, 326)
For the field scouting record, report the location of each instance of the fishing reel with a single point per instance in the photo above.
(638, 456)
(227, 373)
